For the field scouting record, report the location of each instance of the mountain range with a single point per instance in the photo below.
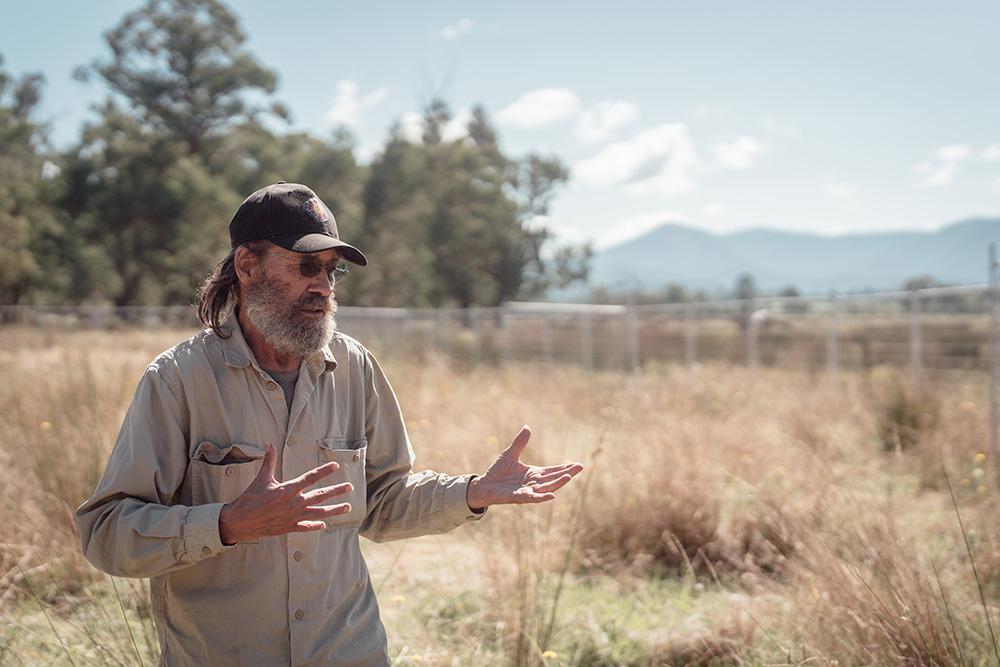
(812, 263)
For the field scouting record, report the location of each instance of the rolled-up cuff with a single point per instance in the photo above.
(201, 532)
(456, 504)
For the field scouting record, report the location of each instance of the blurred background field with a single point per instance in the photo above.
(726, 516)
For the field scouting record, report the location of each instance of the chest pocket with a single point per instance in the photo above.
(350, 454)
(221, 473)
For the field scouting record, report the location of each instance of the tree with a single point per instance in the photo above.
(146, 184)
(29, 220)
(181, 67)
(450, 221)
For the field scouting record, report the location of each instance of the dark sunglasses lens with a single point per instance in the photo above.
(309, 268)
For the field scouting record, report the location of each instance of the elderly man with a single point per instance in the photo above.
(255, 454)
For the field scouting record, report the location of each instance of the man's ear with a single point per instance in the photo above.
(245, 262)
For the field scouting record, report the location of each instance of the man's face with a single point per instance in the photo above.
(294, 312)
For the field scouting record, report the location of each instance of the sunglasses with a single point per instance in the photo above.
(309, 267)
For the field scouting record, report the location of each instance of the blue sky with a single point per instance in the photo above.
(828, 118)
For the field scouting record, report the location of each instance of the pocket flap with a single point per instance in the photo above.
(237, 452)
(343, 442)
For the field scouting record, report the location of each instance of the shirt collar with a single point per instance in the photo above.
(238, 354)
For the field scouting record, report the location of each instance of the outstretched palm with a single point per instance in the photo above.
(510, 481)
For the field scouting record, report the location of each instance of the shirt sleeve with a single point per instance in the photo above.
(401, 503)
(129, 527)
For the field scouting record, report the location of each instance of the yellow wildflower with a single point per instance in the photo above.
(548, 655)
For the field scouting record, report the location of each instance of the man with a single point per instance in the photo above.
(254, 454)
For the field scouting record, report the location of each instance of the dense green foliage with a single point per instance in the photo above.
(136, 211)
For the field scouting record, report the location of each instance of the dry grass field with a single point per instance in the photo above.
(724, 517)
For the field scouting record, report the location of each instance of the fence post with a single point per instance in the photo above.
(477, 334)
(994, 360)
(587, 340)
(690, 336)
(547, 337)
(753, 324)
(631, 340)
(503, 333)
(915, 346)
(832, 341)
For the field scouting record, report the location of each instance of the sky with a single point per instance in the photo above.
(825, 118)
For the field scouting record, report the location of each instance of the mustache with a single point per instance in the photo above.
(315, 301)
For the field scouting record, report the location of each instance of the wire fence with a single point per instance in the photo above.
(925, 330)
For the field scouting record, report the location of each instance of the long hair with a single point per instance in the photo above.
(221, 290)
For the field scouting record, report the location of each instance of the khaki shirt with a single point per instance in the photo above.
(193, 439)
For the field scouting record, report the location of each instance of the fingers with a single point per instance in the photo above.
(324, 511)
(553, 485)
(520, 442)
(266, 473)
(309, 478)
(532, 497)
(307, 526)
(315, 496)
(550, 472)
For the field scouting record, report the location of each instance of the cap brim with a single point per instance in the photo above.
(319, 242)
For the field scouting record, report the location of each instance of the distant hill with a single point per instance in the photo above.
(814, 264)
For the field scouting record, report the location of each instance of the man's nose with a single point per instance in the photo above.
(322, 284)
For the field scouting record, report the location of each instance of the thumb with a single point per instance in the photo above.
(520, 442)
(266, 473)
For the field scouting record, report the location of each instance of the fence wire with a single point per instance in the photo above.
(926, 330)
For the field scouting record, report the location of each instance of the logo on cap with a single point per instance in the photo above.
(316, 209)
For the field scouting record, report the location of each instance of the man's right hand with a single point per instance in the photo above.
(269, 507)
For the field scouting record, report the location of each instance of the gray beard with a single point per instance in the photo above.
(281, 323)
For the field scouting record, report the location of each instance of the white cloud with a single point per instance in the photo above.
(456, 30)
(458, 127)
(738, 154)
(839, 190)
(713, 209)
(953, 153)
(599, 121)
(636, 225)
(411, 127)
(941, 167)
(660, 160)
(540, 107)
(348, 104)
(992, 153)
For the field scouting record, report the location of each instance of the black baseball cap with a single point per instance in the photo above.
(290, 215)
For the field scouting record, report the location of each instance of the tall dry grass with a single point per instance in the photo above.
(725, 517)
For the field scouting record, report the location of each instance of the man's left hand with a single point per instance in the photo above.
(508, 481)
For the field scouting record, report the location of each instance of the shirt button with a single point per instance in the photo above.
(356, 456)
(271, 386)
(229, 471)
(297, 555)
(206, 550)
(299, 614)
